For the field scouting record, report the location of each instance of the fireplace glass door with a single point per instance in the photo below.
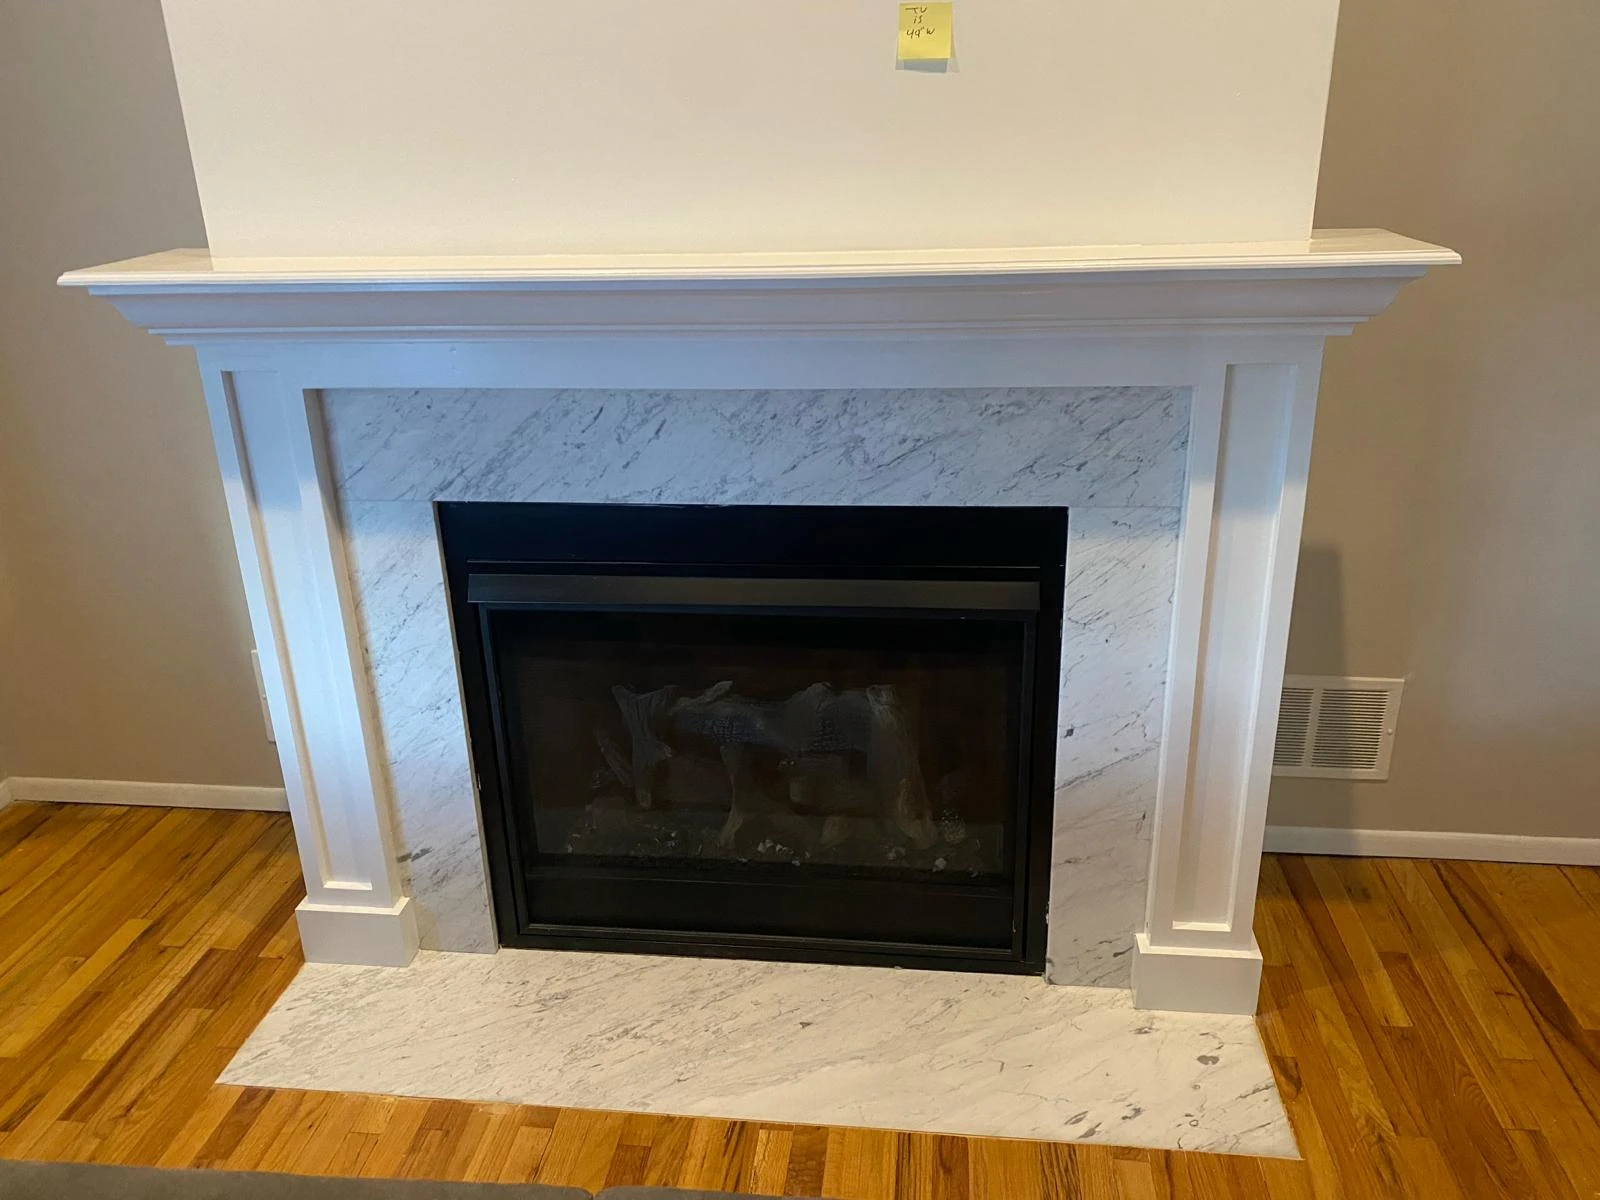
(697, 738)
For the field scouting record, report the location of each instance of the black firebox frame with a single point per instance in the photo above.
(724, 559)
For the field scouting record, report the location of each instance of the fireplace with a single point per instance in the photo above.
(806, 732)
(1162, 393)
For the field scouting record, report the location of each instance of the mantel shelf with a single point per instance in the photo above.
(1323, 287)
(1345, 251)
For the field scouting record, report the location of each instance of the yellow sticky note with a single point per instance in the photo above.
(926, 32)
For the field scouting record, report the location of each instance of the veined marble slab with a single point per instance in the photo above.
(1116, 447)
(933, 1051)
(1114, 456)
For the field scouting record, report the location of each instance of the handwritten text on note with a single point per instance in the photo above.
(926, 32)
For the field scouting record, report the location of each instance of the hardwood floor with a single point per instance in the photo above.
(1435, 1027)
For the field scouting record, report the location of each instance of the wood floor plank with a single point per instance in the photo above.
(151, 1087)
(1558, 1114)
(1551, 917)
(83, 915)
(1332, 1087)
(768, 1165)
(1436, 930)
(1353, 920)
(1135, 1179)
(404, 1119)
(373, 1117)
(228, 1132)
(933, 1166)
(1460, 1118)
(669, 1143)
(808, 1157)
(184, 1148)
(717, 1154)
(277, 1112)
(861, 1164)
(1338, 1003)
(492, 1150)
(463, 1147)
(354, 1154)
(21, 826)
(1586, 882)
(39, 865)
(298, 1133)
(246, 850)
(1000, 1167)
(1093, 1169)
(528, 1146)
(317, 1151)
(581, 1145)
(24, 1139)
(1433, 1027)
(1286, 1180)
(1540, 1161)
(1562, 1046)
(443, 1127)
(628, 1163)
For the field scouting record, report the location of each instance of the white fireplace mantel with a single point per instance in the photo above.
(1240, 326)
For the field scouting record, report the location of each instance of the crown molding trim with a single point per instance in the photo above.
(1326, 288)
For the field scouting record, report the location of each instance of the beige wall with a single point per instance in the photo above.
(1453, 531)
(123, 639)
(1454, 525)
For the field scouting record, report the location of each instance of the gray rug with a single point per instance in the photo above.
(82, 1181)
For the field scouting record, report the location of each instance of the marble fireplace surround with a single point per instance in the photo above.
(1164, 394)
(1114, 456)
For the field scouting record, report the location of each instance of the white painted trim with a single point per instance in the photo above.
(1196, 978)
(1242, 327)
(1326, 286)
(328, 740)
(358, 935)
(1427, 843)
(1249, 451)
(1326, 249)
(152, 795)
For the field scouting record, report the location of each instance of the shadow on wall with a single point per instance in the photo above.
(1318, 634)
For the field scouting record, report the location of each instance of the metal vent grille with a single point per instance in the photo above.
(1336, 728)
(1294, 723)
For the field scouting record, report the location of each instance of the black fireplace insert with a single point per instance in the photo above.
(820, 733)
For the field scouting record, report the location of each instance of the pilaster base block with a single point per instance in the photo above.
(1196, 978)
(357, 936)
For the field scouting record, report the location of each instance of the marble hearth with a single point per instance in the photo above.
(1165, 395)
(817, 1043)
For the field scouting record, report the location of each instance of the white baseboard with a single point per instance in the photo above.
(1414, 843)
(159, 795)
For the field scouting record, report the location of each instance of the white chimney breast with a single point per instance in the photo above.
(702, 126)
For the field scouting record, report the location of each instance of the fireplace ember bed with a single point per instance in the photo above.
(816, 733)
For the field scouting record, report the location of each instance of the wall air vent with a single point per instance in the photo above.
(1336, 728)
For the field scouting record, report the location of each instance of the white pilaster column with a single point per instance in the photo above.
(1249, 450)
(286, 530)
